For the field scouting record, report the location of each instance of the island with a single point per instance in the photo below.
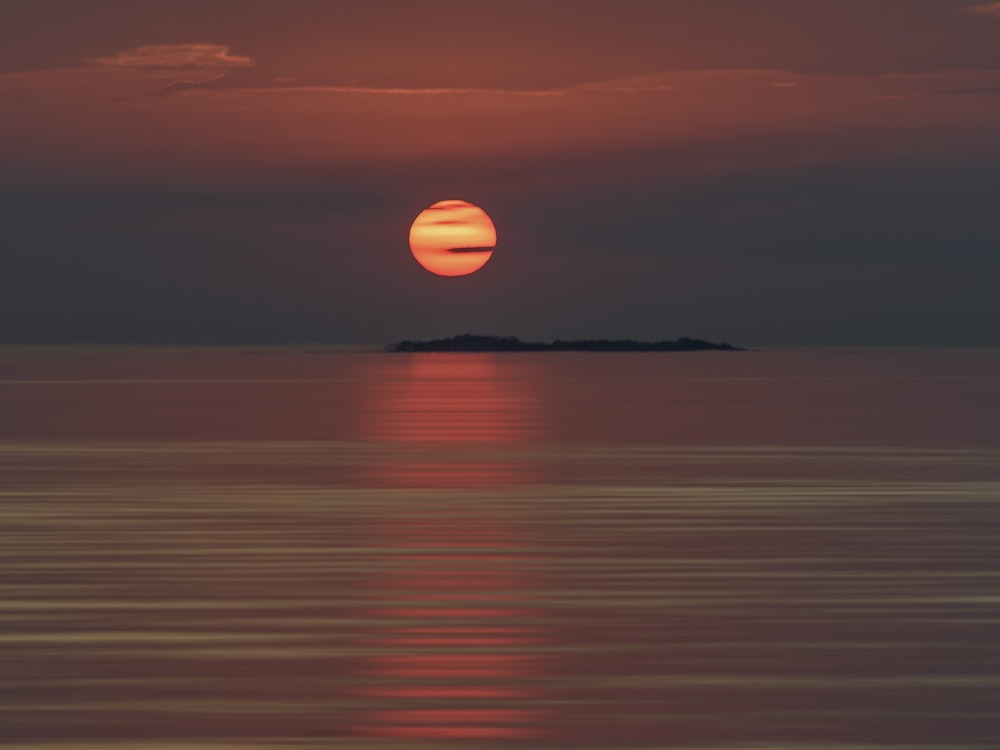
(469, 342)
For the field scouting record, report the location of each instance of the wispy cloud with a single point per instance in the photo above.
(213, 71)
(167, 70)
(645, 84)
(648, 84)
(174, 57)
(981, 91)
(983, 9)
(152, 69)
(398, 90)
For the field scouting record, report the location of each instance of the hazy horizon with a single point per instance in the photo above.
(248, 170)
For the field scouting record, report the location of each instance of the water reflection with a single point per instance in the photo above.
(455, 651)
(198, 550)
(451, 420)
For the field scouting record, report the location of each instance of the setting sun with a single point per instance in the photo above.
(453, 238)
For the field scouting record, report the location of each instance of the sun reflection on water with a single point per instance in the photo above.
(453, 420)
(457, 649)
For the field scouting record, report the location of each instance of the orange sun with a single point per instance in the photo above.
(452, 238)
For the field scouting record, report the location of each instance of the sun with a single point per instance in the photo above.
(453, 238)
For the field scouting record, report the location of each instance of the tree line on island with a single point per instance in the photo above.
(469, 342)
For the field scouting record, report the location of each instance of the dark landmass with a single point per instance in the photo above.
(474, 343)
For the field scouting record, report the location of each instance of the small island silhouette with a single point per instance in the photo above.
(469, 342)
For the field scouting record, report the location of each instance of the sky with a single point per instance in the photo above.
(764, 172)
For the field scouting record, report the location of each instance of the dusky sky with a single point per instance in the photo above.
(768, 172)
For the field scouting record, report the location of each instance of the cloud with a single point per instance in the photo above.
(649, 84)
(652, 83)
(982, 91)
(391, 90)
(148, 70)
(645, 84)
(983, 9)
(174, 57)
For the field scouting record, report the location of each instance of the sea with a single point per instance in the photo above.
(301, 548)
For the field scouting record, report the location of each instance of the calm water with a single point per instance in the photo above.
(776, 550)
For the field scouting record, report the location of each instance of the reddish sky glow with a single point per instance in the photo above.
(774, 171)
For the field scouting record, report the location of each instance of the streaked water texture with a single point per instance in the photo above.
(781, 551)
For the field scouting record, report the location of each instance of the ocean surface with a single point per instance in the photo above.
(777, 550)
